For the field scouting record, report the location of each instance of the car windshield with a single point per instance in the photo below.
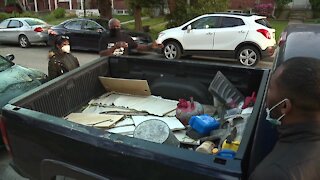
(102, 22)
(263, 22)
(4, 64)
(34, 22)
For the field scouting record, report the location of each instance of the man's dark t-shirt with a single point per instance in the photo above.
(107, 41)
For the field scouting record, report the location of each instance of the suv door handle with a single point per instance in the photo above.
(209, 33)
(242, 31)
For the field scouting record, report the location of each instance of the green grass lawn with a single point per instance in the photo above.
(279, 26)
(155, 24)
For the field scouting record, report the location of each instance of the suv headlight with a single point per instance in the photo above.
(160, 34)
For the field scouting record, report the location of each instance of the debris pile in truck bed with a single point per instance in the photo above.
(187, 124)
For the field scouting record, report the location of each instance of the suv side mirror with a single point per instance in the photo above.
(189, 28)
(10, 57)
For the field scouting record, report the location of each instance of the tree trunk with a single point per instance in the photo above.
(137, 18)
(105, 10)
(171, 5)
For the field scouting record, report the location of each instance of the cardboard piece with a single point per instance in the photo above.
(183, 138)
(125, 122)
(126, 86)
(94, 119)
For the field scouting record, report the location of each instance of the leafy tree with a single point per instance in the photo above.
(315, 5)
(184, 12)
(281, 3)
(105, 10)
(136, 6)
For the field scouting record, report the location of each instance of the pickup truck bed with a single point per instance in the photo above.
(44, 145)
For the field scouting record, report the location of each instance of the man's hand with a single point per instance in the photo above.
(155, 45)
(121, 44)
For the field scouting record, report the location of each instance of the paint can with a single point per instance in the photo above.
(157, 131)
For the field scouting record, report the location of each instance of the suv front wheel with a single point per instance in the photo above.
(248, 56)
(172, 50)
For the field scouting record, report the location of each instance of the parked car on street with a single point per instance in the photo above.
(23, 31)
(298, 40)
(16, 80)
(85, 33)
(245, 37)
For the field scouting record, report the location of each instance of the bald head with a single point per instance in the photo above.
(114, 23)
(298, 79)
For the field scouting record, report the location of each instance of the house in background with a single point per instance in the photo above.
(300, 4)
(118, 6)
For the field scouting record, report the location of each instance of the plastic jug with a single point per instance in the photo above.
(203, 124)
(186, 109)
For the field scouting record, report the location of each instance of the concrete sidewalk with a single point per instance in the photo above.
(131, 21)
(295, 21)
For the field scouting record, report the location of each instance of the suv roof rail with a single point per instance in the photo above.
(239, 14)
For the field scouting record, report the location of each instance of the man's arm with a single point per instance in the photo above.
(149, 47)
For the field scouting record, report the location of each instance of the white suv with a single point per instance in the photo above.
(244, 37)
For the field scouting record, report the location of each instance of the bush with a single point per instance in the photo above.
(316, 14)
(264, 9)
(48, 17)
(315, 4)
(184, 12)
(59, 13)
(27, 14)
(3, 16)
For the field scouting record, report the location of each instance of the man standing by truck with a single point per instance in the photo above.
(119, 43)
(293, 102)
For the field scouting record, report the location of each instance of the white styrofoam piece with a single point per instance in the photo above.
(172, 122)
(123, 129)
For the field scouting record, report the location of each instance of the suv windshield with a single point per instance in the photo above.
(34, 22)
(4, 64)
(263, 22)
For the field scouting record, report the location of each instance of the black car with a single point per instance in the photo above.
(85, 33)
(298, 40)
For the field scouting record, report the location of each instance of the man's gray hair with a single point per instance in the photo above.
(111, 21)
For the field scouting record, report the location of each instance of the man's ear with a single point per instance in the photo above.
(286, 107)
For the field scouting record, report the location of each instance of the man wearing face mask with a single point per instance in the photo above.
(293, 102)
(60, 58)
(119, 43)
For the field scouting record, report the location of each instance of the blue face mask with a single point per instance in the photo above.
(274, 121)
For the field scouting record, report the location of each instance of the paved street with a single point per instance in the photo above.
(36, 57)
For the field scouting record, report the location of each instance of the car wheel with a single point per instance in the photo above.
(24, 41)
(172, 50)
(248, 56)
